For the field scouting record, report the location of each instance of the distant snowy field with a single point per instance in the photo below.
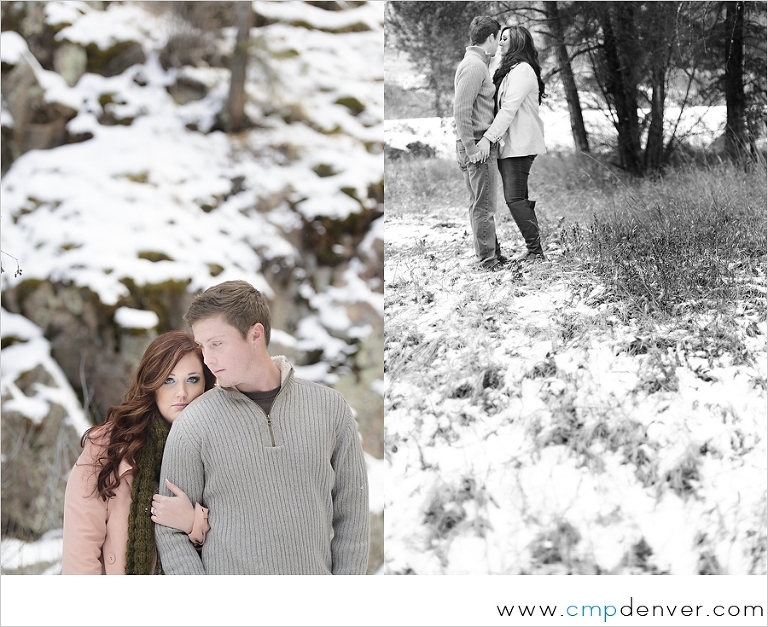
(700, 126)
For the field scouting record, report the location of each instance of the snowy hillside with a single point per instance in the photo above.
(143, 204)
(93, 211)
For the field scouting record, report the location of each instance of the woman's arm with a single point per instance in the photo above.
(177, 512)
(85, 518)
(517, 84)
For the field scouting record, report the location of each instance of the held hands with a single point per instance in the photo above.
(484, 148)
(173, 511)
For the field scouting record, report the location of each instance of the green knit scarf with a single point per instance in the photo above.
(140, 551)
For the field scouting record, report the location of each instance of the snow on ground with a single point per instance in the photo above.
(510, 451)
(17, 554)
(28, 350)
(513, 450)
(129, 318)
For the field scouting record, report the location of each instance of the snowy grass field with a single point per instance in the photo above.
(603, 412)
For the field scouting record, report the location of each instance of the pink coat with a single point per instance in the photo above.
(96, 531)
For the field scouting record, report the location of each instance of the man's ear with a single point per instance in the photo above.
(256, 331)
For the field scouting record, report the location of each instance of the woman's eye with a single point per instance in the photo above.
(170, 381)
(193, 380)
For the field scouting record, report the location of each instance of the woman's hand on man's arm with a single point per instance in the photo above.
(176, 511)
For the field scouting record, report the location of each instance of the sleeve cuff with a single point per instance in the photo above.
(200, 526)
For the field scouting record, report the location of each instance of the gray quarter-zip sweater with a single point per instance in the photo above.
(287, 492)
(473, 98)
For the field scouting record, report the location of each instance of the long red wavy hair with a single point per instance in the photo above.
(127, 424)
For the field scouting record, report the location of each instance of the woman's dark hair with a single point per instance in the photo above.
(521, 49)
(127, 425)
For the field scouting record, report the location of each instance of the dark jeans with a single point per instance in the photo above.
(514, 177)
(477, 177)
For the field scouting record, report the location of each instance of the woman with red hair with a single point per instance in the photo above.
(111, 505)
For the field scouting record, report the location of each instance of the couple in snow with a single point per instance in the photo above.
(272, 463)
(498, 125)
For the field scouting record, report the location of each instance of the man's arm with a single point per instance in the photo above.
(351, 518)
(183, 466)
(469, 80)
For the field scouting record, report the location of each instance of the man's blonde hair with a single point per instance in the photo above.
(241, 305)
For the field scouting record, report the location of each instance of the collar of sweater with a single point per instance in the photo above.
(285, 372)
(485, 56)
(285, 368)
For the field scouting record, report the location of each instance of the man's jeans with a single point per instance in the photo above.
(478, 177)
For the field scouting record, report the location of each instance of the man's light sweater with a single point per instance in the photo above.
(292, 499)
(473, 99)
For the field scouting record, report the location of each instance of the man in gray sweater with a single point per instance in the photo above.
(473, 111)
(276, 459)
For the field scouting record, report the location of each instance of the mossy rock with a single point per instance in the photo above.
(376, 192)
(293, 113)
(331, 5)
(355, 27)
(10, 340)
(29, 20)
(186, 90)
(324, 170)
(353, 104)
(374, 147)
(169, 300)
(38, 375)
(288, 53)
(115, 59)
(85, 341)
(141, 177)
(152, 255)
(36, 461)
(215, 269)
(322, 234)
(107, 98)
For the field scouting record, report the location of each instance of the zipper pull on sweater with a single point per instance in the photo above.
(271, 432)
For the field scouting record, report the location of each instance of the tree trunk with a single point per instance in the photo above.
(617, 22)
(735, 140)
(557, 32)
(234, 118)
(660, 43)
(654, 147)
